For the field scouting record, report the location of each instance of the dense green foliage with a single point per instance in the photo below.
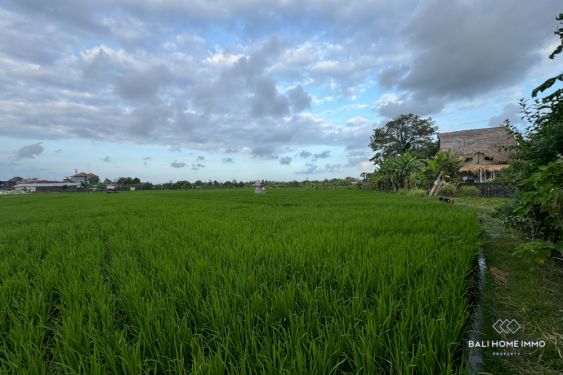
(537, 171)
(469, 191)
(537, 211)
(398, 172)
(404, 133)
(226, 281)
(448, 190)
(445, 162)
(407, 171)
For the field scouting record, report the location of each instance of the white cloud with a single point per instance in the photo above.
(357, 121)
(222, 59)
(387, 99)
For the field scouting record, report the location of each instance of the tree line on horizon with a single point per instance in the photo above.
(125, 183)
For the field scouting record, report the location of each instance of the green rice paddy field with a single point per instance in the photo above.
(292, 282)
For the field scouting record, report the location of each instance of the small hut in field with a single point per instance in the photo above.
(485, 151)
(111, 187)
(260, 187)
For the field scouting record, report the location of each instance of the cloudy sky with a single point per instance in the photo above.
(246, 89)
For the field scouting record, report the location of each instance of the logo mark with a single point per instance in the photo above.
(507, 326)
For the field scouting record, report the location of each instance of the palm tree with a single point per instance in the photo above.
(447, 162)
(396, 172)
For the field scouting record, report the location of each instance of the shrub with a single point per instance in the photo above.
(416, 193)
(469, 191)
(448, 190)
(541, 200)
(538, 249)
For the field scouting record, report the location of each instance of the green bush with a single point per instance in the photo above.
(469, 191)
(416, 193)
(448, 190)
(541, 200)
(538, 249)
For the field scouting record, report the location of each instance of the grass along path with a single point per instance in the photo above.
(517, 288)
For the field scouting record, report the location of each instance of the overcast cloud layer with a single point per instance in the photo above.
(286, 82)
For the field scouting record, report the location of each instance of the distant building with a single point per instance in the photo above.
(260, 187)
(85, 178)
(47, 186)
(9, 184)
(484, 150)
(111, 187)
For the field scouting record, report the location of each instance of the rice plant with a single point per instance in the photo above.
(293, 281)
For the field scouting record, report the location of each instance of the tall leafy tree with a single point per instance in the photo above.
(404, 133)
